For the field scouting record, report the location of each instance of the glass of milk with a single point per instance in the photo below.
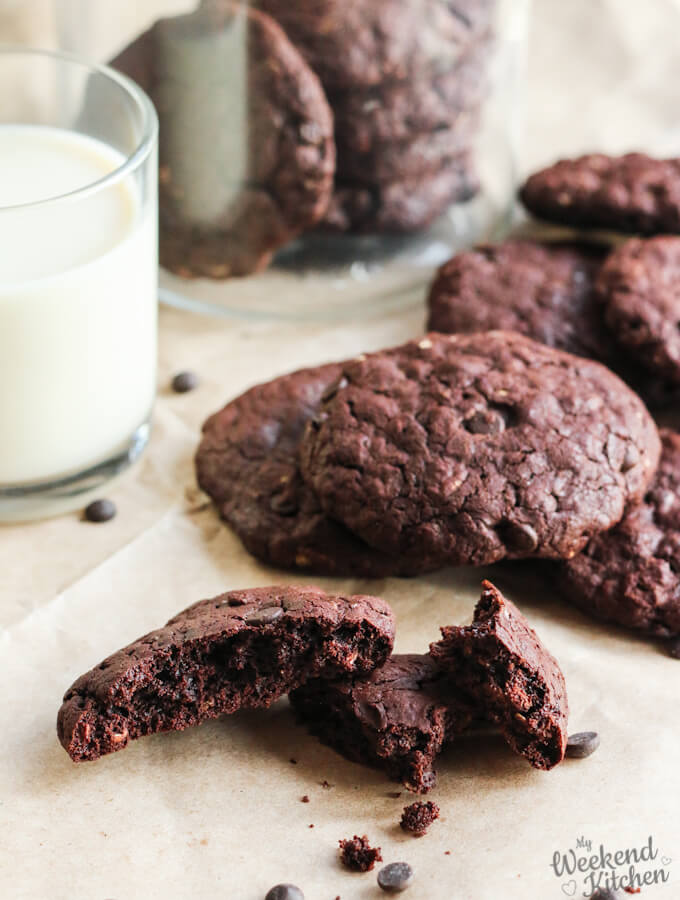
(78, 278)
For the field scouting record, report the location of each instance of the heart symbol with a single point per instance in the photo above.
(570, 888)
(666, 860)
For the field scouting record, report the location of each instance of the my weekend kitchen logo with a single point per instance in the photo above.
(587, 867)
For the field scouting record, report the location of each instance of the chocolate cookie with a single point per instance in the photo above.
(501, 664)
(639, 287)
(401, 206)
(396, 112)
(632, 193)
(396, 719)
(544, 291)
(629, 575)
(217, 75)
(418, 154)
(241, 649)
(467, 449)
(247, 462)
(361, 43)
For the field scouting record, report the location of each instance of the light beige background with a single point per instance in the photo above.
(215, 812)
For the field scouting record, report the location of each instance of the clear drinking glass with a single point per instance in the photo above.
(423, 100)
(78, 278)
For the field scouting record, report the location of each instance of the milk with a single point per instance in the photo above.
(77, 305)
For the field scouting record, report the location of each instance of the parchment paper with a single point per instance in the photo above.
(215, 812)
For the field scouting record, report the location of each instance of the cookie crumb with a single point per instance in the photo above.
(418, 817)
(448, 853)
(357, 855)
(326, 784)
(304, 798)
(292, 761)
(632, 890)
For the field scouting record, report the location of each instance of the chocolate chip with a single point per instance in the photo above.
(485, 421)
(582, 744)
(519, 537)
(395, 877)
(674, 648)
(185, 381)
(263, 616)
(100, 511)
(285, 892)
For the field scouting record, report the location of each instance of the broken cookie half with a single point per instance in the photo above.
(501, 665)
(241, 649)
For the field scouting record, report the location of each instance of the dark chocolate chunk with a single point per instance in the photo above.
(285, 892)
(100, 510)
(185, 381)
(395, 877)
(582, 744)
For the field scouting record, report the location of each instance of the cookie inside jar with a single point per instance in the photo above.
(321, 134)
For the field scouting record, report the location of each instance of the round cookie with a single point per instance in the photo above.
(401, 206)
(632, 193)
(467, 449)
(639, 286)
(396, 112)
(629, 575)
(225, 211)
(247, 463)
(362, 43)
(544, 291)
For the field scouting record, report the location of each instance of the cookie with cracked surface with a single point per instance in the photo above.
(401, 206)
(225, 211)
(247, 462)
(634, 193)
(361, 43)
(544, 291)
(629, 575)
(467, 449)
(640, 290)
(243, 649)
(397, 719)
(547, 291)
(501, 664)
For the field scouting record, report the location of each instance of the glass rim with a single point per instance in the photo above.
(139, 98)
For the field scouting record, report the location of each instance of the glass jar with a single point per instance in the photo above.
(318, 157)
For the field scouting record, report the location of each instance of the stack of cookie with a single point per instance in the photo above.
(450, 450)
(247, 97)
(405, 81)
(620, 306)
